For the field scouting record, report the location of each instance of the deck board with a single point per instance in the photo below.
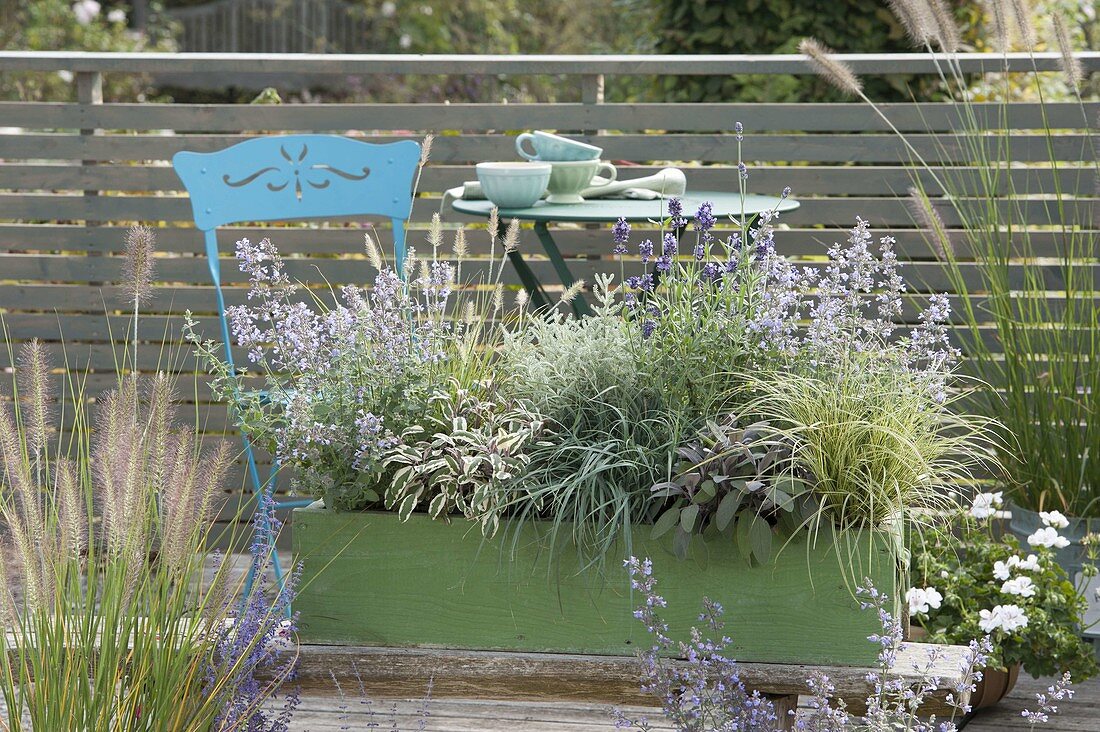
(326, 711)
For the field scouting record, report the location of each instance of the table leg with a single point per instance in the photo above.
(530, 281)
(580, 304)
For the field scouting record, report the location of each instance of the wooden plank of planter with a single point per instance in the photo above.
(403, 673)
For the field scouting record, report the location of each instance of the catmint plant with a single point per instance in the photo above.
(700, 689)
(346, 380)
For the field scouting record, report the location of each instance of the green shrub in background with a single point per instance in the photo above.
(84, 25)
(774, 26)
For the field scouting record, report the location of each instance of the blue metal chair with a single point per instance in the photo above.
(293, 177)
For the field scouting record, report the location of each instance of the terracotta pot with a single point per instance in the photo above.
(994, 686)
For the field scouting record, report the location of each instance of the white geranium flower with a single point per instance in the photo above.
(405, 40)
(1048, 537)
(1001, 570)
(65, 75)
(922, 599)
(1031, 564)
(1022, 586)
(1055, 519)
(917, 602)
(118, 15)
(1013, 618)
(1009, 618)
(388, 9)
(986, 504)
(86, 11)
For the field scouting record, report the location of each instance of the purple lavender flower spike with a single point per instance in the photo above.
(676, 214)
(620, 231)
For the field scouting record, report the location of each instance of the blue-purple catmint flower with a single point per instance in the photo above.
(645, 250)
(739, 129)
(743, 171)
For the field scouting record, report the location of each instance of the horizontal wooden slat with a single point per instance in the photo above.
(882, 211)
(343, 240)
(73, 298)
(803, 117)
(864, 148)
(641, 65)
(803, 180)
(920, 276)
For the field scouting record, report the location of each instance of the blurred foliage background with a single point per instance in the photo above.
(525, 27)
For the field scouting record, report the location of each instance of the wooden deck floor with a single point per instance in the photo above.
(330, 712)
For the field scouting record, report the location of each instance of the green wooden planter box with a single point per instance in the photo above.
(369, 579)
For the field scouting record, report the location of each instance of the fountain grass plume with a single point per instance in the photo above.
(836, 72)
(946, 29)
(916, 19)
(1071, 65)
(138, 271)
(1025, 29)
(928, 218)
(997, 14)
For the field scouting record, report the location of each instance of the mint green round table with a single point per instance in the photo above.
(609, 210)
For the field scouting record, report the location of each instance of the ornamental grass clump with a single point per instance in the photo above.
(1028, 306)
(109, 625)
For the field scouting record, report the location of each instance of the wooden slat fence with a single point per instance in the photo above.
(73, 176)
(273, 26)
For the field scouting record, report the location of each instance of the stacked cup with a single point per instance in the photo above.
(573, 165)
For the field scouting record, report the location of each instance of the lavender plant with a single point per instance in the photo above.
(863, 407)
(700, 689)
(253, 654)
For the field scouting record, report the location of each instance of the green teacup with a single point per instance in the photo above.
(569, 178)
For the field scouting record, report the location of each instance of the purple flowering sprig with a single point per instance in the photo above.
(1056, 692)
(702, 689)
(705, 692)
(255, 653)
